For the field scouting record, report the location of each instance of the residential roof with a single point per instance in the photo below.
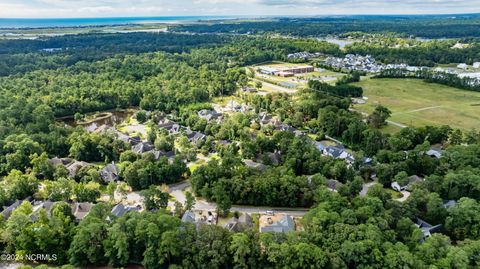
(110, 173)
(188, 216)
(334, 185)
(120, 210)
(81, 210)
(208, 114)
(428, 229)
(8, 210)
(237, 225)
(255, 165)
(75, 166)
(275, 157)
(283, 225)
(142, 147)
(449, 203)
(437, 153)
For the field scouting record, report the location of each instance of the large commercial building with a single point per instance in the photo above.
(286, 71)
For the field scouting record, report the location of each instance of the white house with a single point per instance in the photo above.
(462, 66)
(476, 65)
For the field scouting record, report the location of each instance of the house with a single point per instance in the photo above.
(157, 154)
(143, 147)
(299, 133)
(462, 66)
(196, 137)
(278, 224)
(338, 152)
(449, 203)
(286, 128)
(75, 166)
(249, 89)
(7, 212)
(188, 217)
(334, 185)
(319, 145)
(255, 165)
(476, 65)
(275, 157)
(209, 115)
(264, 118)
(244, 222)
(165, 124)
(47, 206)
(428, 229)
(110, 173)
(81, 210)
(60, 161)
(120, 210)
(412, 180)
(435, 152)
(175, 129)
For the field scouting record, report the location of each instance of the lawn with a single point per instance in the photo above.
(414, 102)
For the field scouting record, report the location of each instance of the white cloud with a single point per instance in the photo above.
(109, 8)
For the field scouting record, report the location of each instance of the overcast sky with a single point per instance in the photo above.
(124, 8)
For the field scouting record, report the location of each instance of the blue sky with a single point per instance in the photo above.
(119, 8)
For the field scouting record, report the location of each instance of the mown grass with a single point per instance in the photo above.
(417, 103)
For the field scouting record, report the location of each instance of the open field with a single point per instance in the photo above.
(417, 103)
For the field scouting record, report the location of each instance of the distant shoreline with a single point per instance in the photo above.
(16, 24)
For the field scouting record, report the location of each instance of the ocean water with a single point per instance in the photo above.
(76, 22)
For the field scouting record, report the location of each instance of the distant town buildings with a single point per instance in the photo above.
(304, 55)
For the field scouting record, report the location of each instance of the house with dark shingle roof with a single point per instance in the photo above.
(81, 210)
(283, 225)
(428, 229)
(188, 217)
(209, 115)
(238, 225)
(143, 147)
(120, 210)
(7, 211)
(110, 173)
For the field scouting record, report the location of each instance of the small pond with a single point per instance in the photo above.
(94, 121)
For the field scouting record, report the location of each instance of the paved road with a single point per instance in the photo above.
(366, 187)
(406, 194)
(176, 190)
(397, 124)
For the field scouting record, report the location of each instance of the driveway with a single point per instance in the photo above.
(366, 187)
(406, 194)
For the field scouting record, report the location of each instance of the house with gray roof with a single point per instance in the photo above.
(7, 211)
(188, 217)
(334, 185)
(120, 210)
(110, 173)
(435, 153)
(47, 206)
(283, 225)
(209, 115)
(255, 165)
(143, 147)
(75, 166)
(81, 210)
(240, 224)
(428, 229)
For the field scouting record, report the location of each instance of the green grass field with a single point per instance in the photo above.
(414, 102)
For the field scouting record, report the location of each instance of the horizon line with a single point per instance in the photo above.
(244, 16)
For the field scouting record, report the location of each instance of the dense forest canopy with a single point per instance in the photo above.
(440, 26)
(178, 76)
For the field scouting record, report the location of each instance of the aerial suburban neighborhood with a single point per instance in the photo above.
(301, 141)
